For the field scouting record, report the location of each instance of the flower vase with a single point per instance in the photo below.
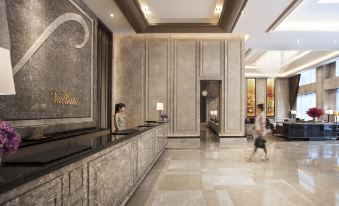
(315, 120)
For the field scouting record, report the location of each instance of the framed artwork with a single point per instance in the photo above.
(251, 100)
(270, 100)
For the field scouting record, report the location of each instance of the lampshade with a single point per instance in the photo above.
(328, 111)
(6, 72)
(160, 106)
(293, 112)
(211, 113)
(215, 112)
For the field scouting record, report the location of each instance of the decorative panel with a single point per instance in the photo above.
(157, 67)
(49, 193)
(111, 177)
(146, 148)
(211, 58)
(76, 191)
(186, 100)
(270, 99)
(233, 91)
(52, 50)
(251, 97)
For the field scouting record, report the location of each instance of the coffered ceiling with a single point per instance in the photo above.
(161, 11)
(182, 16)
(285, 36)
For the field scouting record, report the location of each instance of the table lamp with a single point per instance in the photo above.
(336, 114)
(294, 114)
(328, 112)
(6, 77)
(160, 107)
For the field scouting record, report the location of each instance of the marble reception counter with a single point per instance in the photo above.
(104, 174)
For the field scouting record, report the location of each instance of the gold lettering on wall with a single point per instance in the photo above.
(64, 98)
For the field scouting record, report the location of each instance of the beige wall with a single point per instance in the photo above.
(281, 99)
(168, 68)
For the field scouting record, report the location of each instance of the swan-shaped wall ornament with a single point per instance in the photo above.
(47, 33)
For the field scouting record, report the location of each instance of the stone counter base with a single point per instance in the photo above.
(108, 177)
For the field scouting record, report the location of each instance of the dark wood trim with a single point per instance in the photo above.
(104, 62)
(282, 16)
(229, 17)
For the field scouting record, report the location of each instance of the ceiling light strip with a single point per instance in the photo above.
(283, 16)
(311, 64)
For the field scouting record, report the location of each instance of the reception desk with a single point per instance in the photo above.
(311, 131)
(106, 173)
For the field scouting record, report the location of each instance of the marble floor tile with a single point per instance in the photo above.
(181, 182)
(176, 198)
(194, 172)
(184, 165)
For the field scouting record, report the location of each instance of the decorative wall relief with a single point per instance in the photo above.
(270, 100)
(48, 32)
(251, 101)
(52, 48)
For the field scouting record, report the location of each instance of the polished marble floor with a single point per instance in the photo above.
(203, 172)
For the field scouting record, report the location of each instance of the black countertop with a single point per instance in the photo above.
(12, 175)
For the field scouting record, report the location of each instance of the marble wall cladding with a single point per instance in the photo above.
(4, 35)
(281, 99)
(186, 115)
(60, 50)
(185, 59)
(211, 58)
(234, 85)
(129, 79)
(156, 74)
(320, 86)
(107, 177)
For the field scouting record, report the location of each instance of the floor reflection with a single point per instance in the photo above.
(203, 172)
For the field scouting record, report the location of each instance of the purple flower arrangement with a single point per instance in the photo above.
(9, 138)
(164, 117)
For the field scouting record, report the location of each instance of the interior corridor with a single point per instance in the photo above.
(203, 172)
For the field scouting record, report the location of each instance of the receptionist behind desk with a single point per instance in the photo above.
(119, 117)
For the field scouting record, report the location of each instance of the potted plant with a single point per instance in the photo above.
(164, 117)
(315, 113)
(9, 139)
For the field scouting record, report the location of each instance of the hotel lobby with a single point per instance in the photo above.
(169, 102)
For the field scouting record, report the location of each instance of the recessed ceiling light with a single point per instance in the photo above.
(334, 41)
(298, 41)
(111, 15)
(218, 10)
(146, 10)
